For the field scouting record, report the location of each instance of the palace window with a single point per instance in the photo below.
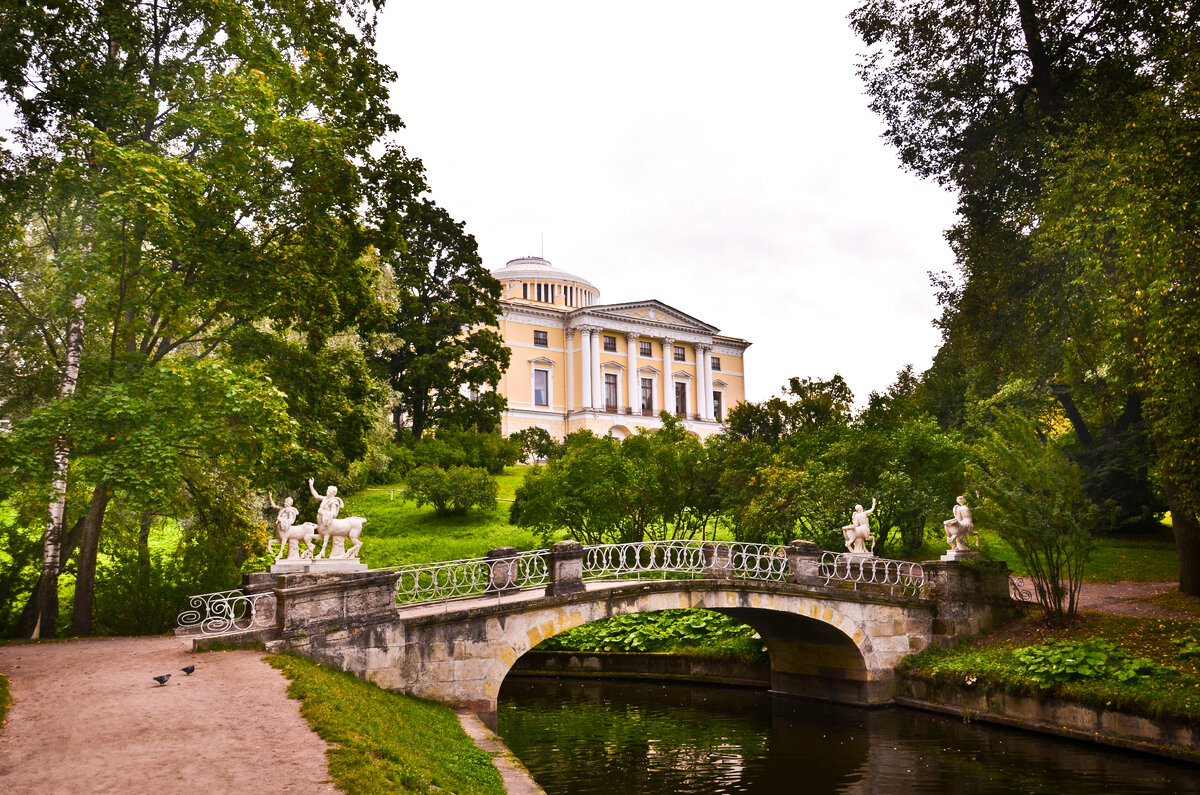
(541, 339)
(716, 363)
(680, 354)
(610, 392)
(717, 406)
(644, 349)
(610, 344)
(680, 400)
(648, 397)
(525, 290)
(541, 388)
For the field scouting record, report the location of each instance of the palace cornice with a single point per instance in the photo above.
(728, 350)
(530, 314)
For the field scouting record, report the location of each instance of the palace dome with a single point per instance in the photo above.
(521, 277)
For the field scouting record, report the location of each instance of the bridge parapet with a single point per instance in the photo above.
(970, 597)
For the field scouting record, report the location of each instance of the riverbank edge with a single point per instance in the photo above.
(1055, 716)
(516, 777)
(643, 665)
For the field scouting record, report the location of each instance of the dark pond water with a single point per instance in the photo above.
(621, 738)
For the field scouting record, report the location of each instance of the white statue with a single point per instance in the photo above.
(331, 503)
(290, 539)
(858, 532)
(330, 526)
(340, 530)
(289, 546)
(960, 528)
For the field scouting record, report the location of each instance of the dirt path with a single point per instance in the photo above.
(88, 717)
(1121, 598)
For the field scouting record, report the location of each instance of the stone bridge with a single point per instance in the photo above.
(835, 627)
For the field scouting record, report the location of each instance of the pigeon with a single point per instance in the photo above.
(188, 670)
(162, 680)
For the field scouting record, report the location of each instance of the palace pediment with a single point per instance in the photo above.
(652, 313)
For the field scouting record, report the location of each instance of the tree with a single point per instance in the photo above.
(810, 413)
(441, 350)
(1001, 102)
(536, 444)
(896, 452)
(1122, 202)
(588, 491)
(1034, 499)
(181, 171)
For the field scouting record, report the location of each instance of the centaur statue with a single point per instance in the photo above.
(330, 526)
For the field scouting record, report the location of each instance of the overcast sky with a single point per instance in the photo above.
(719, 157)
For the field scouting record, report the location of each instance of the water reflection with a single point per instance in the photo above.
(579, 737)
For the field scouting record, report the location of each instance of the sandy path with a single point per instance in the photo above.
(88, 717)
(1120, 598)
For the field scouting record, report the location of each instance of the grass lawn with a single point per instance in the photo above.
(1144, 557)
(382, 741)
(398, 532)
(991, 662)
(5, 698)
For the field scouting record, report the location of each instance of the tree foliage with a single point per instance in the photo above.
(1035, 501)
(189, 189)
(1066, 129)
(441, 349)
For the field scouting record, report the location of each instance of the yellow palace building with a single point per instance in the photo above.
(578, 363)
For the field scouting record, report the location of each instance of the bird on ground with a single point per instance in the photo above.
(188, 670)
(162, 680)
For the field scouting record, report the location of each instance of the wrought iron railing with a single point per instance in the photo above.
(438, 582)
(908, 577)
(657, 559)
(223, 612)
(642, 560)
(1017, 590)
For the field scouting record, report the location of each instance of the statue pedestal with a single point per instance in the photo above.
(318, 566)
(961, 554)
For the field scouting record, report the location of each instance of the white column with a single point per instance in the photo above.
(708, 384)
(597, 378)
(570, 401)
(668, 392)
(585, 348)
(704, 376)
(631, 340)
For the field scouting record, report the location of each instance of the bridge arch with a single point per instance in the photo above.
(816, 648)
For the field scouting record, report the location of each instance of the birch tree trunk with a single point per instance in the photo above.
(47, 589)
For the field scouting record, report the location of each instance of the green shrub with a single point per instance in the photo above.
(1035, 501)
(1057, 662)
(662, 631)
(452, 491)
(5, 698)
(1189, 649)
(451, 448)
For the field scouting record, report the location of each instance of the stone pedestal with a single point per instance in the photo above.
(318, 566)
(961, 554)
(502, 565)
(970, 596)
(718, 561)
(804, 563)
(566, 569)
(308, 603)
